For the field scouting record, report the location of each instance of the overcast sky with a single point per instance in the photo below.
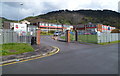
(12, 9)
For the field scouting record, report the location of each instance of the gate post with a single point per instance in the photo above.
(76, 35)
(38, 36)
(68, 35)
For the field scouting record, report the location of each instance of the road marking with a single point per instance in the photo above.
(34, 57)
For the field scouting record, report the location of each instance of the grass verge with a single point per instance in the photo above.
(15, 48)
(105, 43)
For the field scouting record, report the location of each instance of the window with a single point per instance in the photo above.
(102, 26)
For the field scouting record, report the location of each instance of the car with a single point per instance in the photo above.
(57, 33)
(87, 33)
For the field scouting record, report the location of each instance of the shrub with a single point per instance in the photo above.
(51, 31)
(43, 32)
(115, 31)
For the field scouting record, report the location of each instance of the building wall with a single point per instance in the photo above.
(6, 25)
(50, 26)
(99, 28)
(94, 27)
(105, 28)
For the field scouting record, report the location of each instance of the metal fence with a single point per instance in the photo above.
(92, 37)
(102, 38)
(108, 37)
(9, 36)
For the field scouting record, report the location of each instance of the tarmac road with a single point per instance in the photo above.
(73, 58)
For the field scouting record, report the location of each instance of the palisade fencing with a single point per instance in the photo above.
(9, 36)
(108, 37)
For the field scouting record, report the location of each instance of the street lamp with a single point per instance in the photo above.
(19, 11)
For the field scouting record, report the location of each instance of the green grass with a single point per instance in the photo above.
(71, 37)
(89, 39)
(62, 37)
(15, 48)
(105, 43)
(47, 34)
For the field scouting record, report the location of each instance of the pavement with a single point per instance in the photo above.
(73, 58)
(39, 51)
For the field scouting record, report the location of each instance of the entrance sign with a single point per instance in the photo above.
(20, 28)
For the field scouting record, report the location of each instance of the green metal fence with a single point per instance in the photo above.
(87, 38)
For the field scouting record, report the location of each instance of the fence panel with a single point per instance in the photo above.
(87, 38)
(9, 36)
(102, 38)
(1, 37)
(72, 35)
(108, 37)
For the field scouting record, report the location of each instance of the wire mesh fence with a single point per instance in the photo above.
(72, 35)
(94, 37)
(98, 38)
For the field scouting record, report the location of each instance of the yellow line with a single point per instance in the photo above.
(33, 58)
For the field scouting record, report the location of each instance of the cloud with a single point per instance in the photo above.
(119, 7)
(94, 4)
(13, 10)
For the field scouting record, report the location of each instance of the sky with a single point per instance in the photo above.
(19, 9)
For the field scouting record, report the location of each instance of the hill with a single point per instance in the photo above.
(2, 19)
(75, 17)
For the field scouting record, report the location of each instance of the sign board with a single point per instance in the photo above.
(20, 28)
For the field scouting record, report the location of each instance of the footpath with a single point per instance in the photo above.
(40, 51)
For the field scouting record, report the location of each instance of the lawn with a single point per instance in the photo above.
(105, 43)
(89, 39)
(71, 37)
(15, 48)
(47, 33)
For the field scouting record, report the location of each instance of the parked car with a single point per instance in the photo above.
(87, 33)
(94, 33)
(57, 33)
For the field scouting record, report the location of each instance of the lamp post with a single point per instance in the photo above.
(19, 11)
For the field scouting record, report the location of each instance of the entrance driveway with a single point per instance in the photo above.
(73, 58)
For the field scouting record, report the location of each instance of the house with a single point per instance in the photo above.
(25, 22)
